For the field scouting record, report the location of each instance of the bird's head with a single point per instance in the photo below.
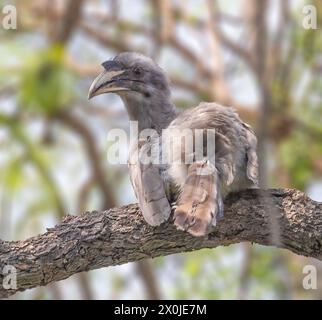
(131, 73)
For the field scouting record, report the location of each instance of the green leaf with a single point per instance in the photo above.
(46, 86)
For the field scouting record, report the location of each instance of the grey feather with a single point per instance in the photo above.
(149, 187)
(145, 91)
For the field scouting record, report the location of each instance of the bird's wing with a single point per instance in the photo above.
(232, 164)
(149, 188)
(235, 140)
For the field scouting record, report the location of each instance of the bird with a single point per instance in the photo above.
(191, 192)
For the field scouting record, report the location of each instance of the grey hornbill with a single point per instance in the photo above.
(198, 195)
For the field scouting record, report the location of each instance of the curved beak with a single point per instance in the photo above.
(106, 82)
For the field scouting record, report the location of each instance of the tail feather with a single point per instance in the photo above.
(200, 202)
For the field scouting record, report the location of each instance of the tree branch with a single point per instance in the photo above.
(100, 239)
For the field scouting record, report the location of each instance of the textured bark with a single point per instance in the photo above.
(100, 239)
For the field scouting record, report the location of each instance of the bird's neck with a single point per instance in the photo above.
(150, 113)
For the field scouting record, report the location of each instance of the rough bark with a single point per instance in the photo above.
(100, 239)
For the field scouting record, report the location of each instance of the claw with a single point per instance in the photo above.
(173, 205)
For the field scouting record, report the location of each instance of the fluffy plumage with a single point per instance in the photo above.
(197, 187)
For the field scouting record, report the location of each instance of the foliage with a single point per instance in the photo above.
(38, 81)
(46, 86)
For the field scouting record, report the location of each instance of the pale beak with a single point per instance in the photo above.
(104, 83)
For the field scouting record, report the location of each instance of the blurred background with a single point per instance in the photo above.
(254, 55)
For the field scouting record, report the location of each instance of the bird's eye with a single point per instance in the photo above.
(137, 71)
